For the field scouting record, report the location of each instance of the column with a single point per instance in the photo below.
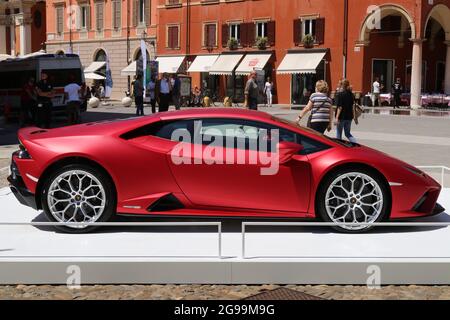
(416, 74)
(447, 69)
(3, 37)
(12, 34)
(25, 33)
(25, 38)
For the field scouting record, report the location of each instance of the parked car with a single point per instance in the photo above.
(90, 172)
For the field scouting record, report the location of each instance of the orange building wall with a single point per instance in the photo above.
(284, 12)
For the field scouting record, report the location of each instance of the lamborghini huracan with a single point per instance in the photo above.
(144, 166)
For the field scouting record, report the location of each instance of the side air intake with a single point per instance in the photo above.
(166, 203)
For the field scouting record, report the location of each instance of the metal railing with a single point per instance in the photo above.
(443, 170)
(129, 224)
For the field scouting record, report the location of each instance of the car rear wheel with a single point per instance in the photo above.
(78, 194)
(350, 198)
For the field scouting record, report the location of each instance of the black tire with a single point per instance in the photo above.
(324, 186)
(109, 191)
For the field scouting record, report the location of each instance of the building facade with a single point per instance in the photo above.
(100, 31)
(296, 42)
(22, 27)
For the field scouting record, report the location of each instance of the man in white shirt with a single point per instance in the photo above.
(72, 96)
(164, 89)
(376, 89)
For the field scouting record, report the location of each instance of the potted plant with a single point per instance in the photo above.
(232, 44)
(308, 41)
(261, 43)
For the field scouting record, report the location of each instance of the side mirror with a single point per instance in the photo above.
(287, 150)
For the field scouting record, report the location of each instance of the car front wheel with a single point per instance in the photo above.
(353, 199)
(78, 194)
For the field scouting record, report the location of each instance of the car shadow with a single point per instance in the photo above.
(234, 225)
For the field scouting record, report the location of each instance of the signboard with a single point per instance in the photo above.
(185, 86)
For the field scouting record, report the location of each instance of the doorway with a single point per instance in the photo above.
(303, 85)
(384, 70)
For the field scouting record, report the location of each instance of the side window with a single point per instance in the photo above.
(310, 146)
(166, 130)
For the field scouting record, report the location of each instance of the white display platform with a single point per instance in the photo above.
(288, 255)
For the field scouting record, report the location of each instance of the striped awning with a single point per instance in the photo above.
(203, 63)
(252, 62)
(225, 64)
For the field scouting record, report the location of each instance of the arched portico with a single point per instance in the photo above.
(437, 29)
(394, 24)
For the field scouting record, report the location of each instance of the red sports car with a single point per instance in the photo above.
(213, 163)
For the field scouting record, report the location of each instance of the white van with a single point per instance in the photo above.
(15, 72)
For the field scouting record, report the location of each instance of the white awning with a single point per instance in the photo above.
(169, 64)
(203, 63)
(252, 62)
(94, 66)
(129, 70)
(225, 64)
(93, 76)
(300, 62)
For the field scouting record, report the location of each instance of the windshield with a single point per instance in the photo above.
(313, 132)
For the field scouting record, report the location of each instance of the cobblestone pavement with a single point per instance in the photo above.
(217, 292)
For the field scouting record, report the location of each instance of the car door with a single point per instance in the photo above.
(210, 179)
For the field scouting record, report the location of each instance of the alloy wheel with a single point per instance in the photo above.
(76, 196)
(353, 199)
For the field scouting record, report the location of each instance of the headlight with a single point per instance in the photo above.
(23, 152)
(416, 171)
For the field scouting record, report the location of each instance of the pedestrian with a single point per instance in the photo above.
(345, 100)
(138, 91)
(176, 91)
(72, 93)
(84, 96)
(163, 91)
(28, 103)
(150, 93)
(45, 94)
(376, 90)
(197, 97)
(397, 90)
(251, 92)
(268, 90)
(320, 105)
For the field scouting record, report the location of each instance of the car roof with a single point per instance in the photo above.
(214, 112)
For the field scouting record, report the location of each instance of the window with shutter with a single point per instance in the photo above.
(271, 33)
(210, 35)
(60, 20)
(117, 14)
(297, 32)
(99, 16)
(135, 12)
(225, 34)
(147, 12)
(320, 30)
(172, 37)
(88, 17)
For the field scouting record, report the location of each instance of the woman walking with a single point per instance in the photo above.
(320, 105)
(345, 112)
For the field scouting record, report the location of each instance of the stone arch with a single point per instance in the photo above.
(97, 53)
(377, 14)
(137, 53)
(440, 13)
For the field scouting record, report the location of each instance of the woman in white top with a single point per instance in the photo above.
(268, 87)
